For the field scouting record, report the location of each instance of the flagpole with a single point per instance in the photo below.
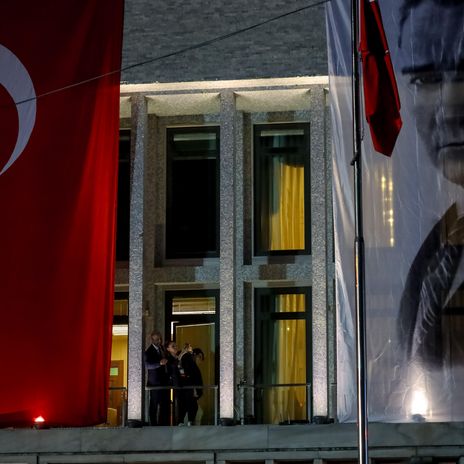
(361, 380)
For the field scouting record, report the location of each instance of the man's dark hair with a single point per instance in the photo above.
(166, 345)
(408, 5)
(198, 352)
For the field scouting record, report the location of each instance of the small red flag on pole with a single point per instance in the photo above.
(381, 99)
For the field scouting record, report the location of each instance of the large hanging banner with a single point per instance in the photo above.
(413, 219)
(59, 113)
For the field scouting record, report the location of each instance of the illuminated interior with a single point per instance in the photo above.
(193, 323)
(118, 368)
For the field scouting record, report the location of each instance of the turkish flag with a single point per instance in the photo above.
(59, 112)
(381, 99)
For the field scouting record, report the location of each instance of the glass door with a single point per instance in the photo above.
(191, 320)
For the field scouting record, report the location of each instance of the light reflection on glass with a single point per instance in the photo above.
(388, 213)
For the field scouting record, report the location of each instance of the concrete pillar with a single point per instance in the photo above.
(227, 271)
(136, 261)
(319, 250)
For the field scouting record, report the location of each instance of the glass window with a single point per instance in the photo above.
(194, 305)
(281, 189)
(192, 226)
(282, 360)
(123, 213)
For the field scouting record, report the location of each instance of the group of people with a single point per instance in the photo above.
(167, 366)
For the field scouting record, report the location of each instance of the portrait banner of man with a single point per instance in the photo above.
(413, 211)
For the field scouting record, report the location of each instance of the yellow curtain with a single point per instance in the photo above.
(287, 218)
(289, 403)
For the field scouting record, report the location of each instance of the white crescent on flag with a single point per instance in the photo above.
(18, 83)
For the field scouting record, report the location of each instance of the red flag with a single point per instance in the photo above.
(58, 181)
(381, 99)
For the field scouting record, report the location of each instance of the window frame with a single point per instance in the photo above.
(170, 132)
(270, 316)
(258, 249)
(123, 132)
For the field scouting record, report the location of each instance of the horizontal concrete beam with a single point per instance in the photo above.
(316, 440)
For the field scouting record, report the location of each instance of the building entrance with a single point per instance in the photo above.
(192, 320)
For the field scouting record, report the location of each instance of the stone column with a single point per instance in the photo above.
(227, 273)
(136, 262)
(319, 251)
(331, 307)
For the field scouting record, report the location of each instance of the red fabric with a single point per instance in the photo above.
(57, 210)
(381, 99)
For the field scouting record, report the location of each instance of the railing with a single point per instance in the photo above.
(172, 389)
(259, 389)
(117, 411)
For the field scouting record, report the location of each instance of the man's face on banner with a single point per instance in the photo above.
(432, 60)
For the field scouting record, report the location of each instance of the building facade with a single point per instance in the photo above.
(218, 262)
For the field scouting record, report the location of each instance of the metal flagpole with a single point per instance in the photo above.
(361, 381)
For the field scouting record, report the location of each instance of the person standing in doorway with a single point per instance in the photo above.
(199, 357)
(157, 376)
(190, 378)
(173, 377)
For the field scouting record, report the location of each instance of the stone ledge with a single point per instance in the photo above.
(243, 438)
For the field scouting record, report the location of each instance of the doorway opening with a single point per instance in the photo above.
(117, 394)
(192, 318)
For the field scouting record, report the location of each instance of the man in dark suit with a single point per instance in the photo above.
(157, 376)
(431, 316)
(432, 310)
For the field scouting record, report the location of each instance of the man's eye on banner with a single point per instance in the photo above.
(19, 106)
(431, 58)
